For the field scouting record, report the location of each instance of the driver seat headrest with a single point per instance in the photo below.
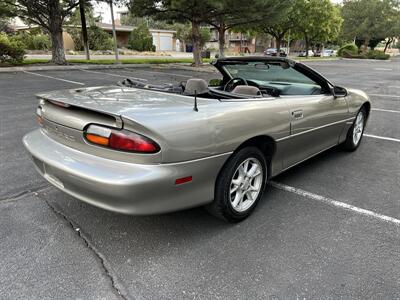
(247, 90)
(195, 86)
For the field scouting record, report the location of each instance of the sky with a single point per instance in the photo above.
(103, 9)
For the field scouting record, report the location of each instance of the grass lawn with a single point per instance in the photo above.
(314, 58)
(149, 60)
(32, 61)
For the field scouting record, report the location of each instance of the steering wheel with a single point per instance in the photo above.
(231, 84)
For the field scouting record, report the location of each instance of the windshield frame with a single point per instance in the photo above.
(220, 64)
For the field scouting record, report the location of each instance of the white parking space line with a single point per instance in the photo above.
(114, 75)
(382, 138)
(335, 203)
(383, 69)
(55, 78)
(394, 86)
(387, 110)
(383, 95)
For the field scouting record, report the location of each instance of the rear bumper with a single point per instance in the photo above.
(120, 186)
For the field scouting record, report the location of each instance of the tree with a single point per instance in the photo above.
(7, 11)
(229, 14)
(132, 20)
(141, 39)
(98, 39)
(279, 28)
(183, 11)
(317, 21)
(371, 21)
(50, 15)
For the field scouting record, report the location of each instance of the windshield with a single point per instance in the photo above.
(276, 75)
(264, 73)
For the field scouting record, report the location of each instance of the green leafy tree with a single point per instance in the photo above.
(50, 15)
(141, 39)
(183, 11)
(371, 21)
(229, 14)
(7, 11)
(317, 21)
(279, 28)
(132, 20)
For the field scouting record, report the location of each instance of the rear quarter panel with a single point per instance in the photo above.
(218, 127)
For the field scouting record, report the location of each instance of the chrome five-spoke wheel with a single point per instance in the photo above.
(356, 131)
(246, 184)
(358, 128)
(240, 184)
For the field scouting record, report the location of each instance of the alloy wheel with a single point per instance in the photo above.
(246, 184)
(358, 128)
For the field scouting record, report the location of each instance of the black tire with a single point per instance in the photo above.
(222, 207)
(349, 143)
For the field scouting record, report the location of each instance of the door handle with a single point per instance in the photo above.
(297, 114)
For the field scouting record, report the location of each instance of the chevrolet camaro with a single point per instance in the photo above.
(143, 148)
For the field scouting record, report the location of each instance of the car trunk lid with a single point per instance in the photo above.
(113, 101)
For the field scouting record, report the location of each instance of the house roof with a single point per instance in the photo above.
(104, 26)
(127, 28)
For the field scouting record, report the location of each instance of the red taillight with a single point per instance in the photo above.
(120, 140)
(129, 141)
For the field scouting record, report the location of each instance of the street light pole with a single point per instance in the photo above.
(114, 33)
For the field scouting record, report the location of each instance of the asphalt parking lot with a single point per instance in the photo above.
(328, 228)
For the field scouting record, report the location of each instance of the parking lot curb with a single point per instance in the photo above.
(206, 68)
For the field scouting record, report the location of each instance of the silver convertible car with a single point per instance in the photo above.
(141, 148)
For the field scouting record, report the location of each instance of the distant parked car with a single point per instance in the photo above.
(303, 53)
(325, 53)
(274, 52)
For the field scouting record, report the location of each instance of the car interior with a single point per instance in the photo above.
(245, 80)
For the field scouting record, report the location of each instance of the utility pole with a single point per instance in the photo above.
(288, 44)
(84, 29)
(114, 33)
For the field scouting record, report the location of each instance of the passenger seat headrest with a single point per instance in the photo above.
(247, 90)
(196, 86)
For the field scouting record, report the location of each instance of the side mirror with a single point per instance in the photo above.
(339, 91)
(215, 82)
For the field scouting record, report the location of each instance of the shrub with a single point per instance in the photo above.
(376, 54)
(141, 39)
(11, 51)
(39, 42)
(348, 49)
(371, 54)
(98, 39)
(33, 41)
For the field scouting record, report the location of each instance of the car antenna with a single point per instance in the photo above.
(195, 101)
